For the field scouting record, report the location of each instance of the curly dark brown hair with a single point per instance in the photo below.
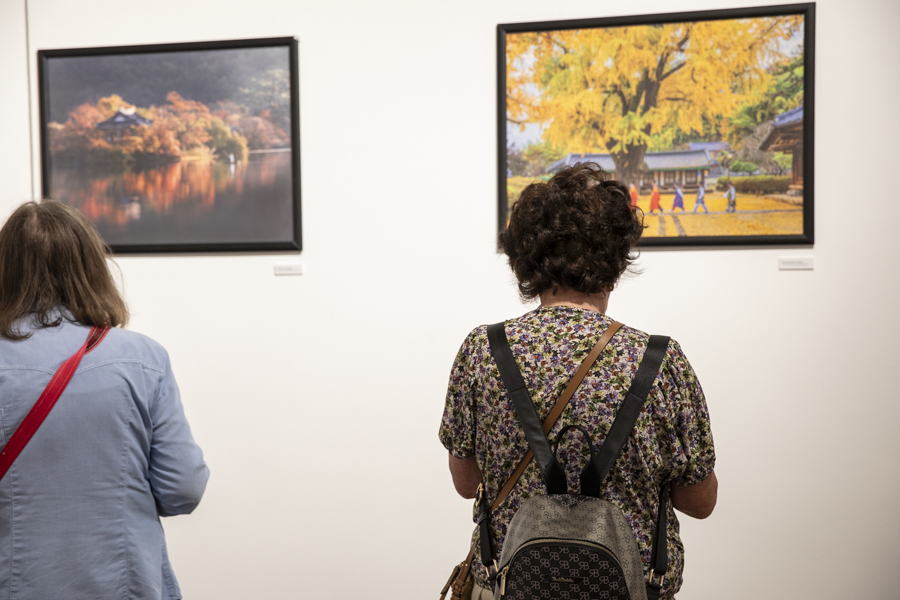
(574, 231)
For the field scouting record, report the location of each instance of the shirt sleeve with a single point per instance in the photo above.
(694, 456)
(178, 473)
(457, 432)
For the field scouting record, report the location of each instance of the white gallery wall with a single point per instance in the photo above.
(317, 398)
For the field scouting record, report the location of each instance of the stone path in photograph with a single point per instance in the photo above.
(678, 227)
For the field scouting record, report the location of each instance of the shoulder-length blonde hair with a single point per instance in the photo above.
(51, 257)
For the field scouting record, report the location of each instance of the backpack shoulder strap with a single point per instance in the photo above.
(631, 407)
(619, 434)
(552, 473)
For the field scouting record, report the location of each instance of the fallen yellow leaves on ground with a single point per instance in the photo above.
(784, 217)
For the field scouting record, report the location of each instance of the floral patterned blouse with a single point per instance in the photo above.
(672, 441)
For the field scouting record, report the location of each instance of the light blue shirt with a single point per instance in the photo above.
(80, 507)
(729, 193)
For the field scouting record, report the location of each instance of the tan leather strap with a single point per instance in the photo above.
(558, 408)
(462, 570)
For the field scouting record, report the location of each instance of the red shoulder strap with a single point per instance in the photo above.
(45, 403)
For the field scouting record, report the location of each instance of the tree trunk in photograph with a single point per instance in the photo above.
(629, 164)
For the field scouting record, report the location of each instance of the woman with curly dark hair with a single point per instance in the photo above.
(568, 241)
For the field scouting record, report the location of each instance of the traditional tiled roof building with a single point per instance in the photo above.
(787, 136)
(713, 147)
(686, 167)
(125, 118)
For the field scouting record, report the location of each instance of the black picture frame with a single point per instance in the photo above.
(227, 232)
(807, 110)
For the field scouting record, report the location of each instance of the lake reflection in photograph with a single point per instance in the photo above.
(204, 201)
(176, 147)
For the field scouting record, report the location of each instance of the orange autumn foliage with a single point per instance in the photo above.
(176, 130)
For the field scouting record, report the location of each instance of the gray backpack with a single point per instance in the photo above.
(574, 546)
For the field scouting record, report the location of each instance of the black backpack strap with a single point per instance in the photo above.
(551, 472)
(659, 558)
(484, 528)
(619, 434)
(631, 407)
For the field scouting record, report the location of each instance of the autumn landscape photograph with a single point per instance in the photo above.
(703, 120)
(173, 149)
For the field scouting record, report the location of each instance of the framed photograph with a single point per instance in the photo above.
(176, 147)
(707, 117)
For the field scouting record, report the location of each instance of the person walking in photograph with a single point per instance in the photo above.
(679, 199)
(731, 196)
(701, 197)
(654, 199)
(632, 189)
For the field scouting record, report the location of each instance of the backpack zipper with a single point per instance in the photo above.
(593, 545)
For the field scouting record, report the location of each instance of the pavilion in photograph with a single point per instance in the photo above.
(665, 169)
(787, 136)
(122, 121)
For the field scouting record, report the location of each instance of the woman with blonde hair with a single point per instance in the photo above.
(80, 501)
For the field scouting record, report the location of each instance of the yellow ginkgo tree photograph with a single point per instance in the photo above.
(706, 117)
